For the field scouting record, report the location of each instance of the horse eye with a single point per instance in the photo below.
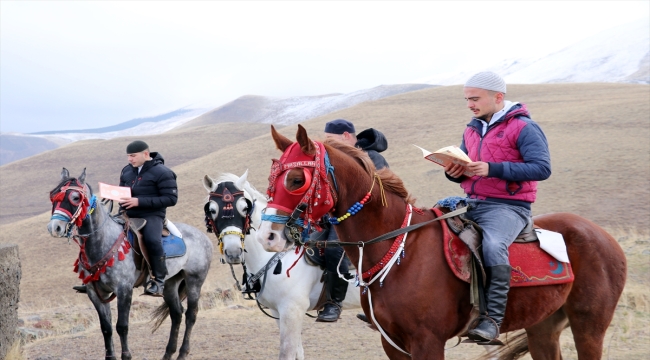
(298, 181)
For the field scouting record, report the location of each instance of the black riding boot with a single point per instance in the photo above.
(337, 288)
(158, 272)
(496, 297)
(80, 288)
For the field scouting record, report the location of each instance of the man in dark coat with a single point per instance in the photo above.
(372, 142)
(153, 189)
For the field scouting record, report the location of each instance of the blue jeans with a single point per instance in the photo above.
(501, 223)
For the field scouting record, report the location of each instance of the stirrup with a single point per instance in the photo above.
(150, 285)
(483, 340)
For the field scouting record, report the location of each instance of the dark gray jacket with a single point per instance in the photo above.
(373, 142)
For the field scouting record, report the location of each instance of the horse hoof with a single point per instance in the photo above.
(126, 356)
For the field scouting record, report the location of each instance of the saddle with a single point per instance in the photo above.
(172, 245)
(531, 266)
(472, 235)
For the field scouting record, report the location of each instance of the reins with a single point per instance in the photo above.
(322, 244)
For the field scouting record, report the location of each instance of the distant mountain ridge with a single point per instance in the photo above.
(292, 110)
(120, 126)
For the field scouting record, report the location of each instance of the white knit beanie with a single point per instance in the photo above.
(487, 80)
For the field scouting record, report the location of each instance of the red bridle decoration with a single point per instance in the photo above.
(318, 197)
(82, 208)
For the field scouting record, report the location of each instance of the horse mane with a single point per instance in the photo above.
(225, 177)
(388, 178)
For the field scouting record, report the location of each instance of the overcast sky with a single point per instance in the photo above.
(76, 65)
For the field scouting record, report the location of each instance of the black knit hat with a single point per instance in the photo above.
(339, 126)
(136, 147)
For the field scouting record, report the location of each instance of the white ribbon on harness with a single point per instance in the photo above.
(382, 273)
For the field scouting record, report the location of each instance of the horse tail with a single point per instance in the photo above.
(516, 346)
(161, 313)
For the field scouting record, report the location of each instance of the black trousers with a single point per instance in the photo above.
(333, 255)
(152, 234)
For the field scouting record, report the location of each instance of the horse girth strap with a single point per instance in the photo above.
(321, 244)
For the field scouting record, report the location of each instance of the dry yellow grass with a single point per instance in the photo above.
(598, 134)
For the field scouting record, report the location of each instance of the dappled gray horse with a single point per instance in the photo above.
(106, 265)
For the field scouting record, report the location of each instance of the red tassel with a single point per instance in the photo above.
(81, 275)
(120, 256)
(87, 279)
(127, 244)
(96, 277)
(58, 197)
(125, 249)
(110, 262)
(76, 268)
(76, 262)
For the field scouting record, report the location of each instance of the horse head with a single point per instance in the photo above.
(303, 188)
(228, 213)
(72, 200)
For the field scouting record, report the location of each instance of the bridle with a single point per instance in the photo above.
(226, 197)
(317, 196)
(83, 207)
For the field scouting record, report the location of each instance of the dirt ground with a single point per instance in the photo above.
(243, 332)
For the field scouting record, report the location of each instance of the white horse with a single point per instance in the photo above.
(288, 295)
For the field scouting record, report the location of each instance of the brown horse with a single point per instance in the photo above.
(421, 304)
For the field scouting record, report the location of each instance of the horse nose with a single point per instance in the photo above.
(234, 259)
(54, 229)
(271, 236)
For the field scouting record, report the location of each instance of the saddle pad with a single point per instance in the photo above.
(531, 266)
(173, 246)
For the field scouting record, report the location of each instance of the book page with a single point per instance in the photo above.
(114, 192)
(447, 155)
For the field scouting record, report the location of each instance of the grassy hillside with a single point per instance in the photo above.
(14, 147)
(24, 184)
(598, 134)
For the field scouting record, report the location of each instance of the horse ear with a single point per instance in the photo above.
(305, 142)
(65, 174)
(208, 182)
(82, 177)
(239, 184)
(281, 142)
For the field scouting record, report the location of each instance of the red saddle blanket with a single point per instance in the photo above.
(531, 266)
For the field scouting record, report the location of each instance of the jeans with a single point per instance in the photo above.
(501, 223)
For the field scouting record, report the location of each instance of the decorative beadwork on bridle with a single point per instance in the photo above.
(226, 197)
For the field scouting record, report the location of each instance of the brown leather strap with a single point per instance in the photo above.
(111, 253)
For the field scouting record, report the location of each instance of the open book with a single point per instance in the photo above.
(114, 192)
(447, 155)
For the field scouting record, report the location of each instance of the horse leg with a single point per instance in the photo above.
(589, 329)
(290, 323)
(420, 350)
(124, 297)
(104, 313)
(173, 301)
(193, 288)
(544, 337)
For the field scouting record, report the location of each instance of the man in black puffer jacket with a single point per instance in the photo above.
(153, 189)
